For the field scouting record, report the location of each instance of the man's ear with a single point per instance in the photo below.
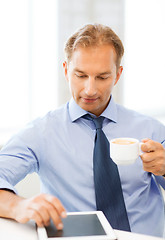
(119, 72)
(65, 67)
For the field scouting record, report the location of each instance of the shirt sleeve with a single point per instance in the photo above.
(7, 186)
(18, 158)
(159, 136)
(160, 179)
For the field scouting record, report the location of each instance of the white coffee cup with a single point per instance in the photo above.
(125, 150)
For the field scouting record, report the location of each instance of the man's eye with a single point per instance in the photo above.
(102, 78)
(81, 76)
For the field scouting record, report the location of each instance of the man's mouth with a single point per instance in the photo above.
(89, 100)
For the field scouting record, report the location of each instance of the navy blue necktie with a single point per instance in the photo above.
(108, 191)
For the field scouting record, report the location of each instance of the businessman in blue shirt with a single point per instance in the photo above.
(59, 146)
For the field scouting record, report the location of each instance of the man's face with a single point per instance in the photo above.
(91, 74)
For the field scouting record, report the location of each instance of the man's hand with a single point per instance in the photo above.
(153, 157)
(40, 208)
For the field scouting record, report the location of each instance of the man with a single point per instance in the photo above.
(59, 146)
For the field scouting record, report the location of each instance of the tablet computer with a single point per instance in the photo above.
(79, 225)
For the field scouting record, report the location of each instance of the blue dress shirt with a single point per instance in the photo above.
(59, 147)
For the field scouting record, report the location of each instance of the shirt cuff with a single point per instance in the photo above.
(6, 185)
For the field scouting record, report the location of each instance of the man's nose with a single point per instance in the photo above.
(90, 86)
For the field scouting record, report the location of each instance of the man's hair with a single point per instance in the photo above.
(94, 35)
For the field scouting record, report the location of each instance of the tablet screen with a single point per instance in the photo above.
(77, 225)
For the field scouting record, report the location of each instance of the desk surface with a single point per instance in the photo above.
(10, 229)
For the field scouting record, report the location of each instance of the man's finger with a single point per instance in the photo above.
(57, 204)
(42, 210)
(148, 157)
(56, 218)
(149, 146)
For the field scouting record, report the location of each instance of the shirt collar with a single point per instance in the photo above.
(111, 111)
(76, 112)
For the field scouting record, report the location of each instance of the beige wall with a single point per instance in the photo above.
(29, 187)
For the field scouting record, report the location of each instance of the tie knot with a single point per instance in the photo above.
(98, 122)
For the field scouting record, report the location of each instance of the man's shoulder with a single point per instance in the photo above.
(53, 119)
(126, 114)
(58, 114)
(135, 117)
(122, 110)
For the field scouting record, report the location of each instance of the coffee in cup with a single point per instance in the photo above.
(125, 150)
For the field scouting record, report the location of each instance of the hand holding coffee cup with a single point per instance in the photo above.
(125, 150)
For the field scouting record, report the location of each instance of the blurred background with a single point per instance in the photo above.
(32, 38)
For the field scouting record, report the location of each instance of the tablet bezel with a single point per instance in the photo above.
(110, 235)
